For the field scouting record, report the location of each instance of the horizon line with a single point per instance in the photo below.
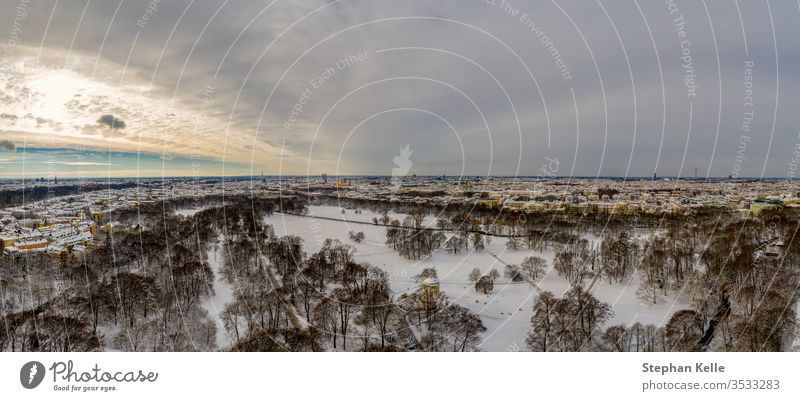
(364, 176)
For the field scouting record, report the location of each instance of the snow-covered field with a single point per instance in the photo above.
(223, 293)
(187, 212)
(506, 312)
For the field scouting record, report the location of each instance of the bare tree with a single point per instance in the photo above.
(533, 267)
(458, 327)
(494, 274)
(684, 330)
(567, 324)
(485, 284)
(428, 272)
(478, 242)
(356, 237)
(541, 323)
(513, 243)
(512, 272)
(475, 275)
(453, 244)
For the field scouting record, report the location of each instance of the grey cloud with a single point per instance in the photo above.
(8, 146)
(111, 121)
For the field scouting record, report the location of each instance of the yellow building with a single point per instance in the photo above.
(98, 216)
(31, 244)
(8, 241)
(490, 203)
(534, 207)
(514, 204)
(621, 208)
(677, 209)
(430, 289)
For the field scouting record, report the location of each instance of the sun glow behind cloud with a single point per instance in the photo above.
(48, 105)
(58, 87)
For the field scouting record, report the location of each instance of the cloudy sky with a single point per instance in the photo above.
(474, 87)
